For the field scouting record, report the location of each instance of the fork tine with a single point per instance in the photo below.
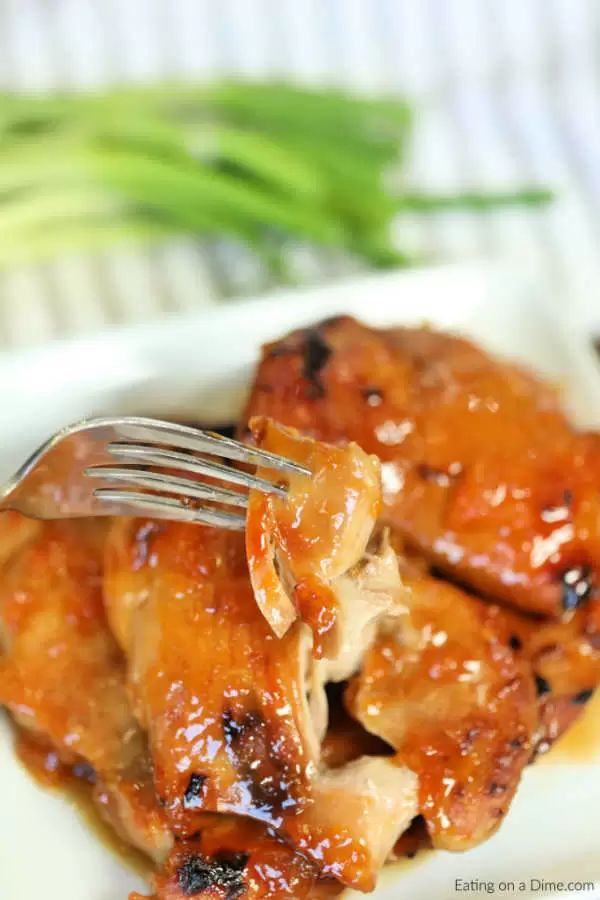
(184, 436)
(138, 504)
(171, 459)
(140, 478)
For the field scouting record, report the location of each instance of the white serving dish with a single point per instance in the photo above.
(198, 366)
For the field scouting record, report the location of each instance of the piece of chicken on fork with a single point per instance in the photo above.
(298, 545)
(225, 699)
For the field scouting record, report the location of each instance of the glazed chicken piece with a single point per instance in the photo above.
(299, 545)
(443, 686)
(221, 697)
(225, 703)
(233, 858)
(62, 676)
(481, 471)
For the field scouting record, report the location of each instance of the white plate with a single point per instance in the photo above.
(199, 366)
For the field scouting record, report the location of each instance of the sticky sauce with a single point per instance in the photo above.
(581, 742)
(75, 784)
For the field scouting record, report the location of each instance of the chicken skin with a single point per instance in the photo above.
(481, 471)
(62, 675)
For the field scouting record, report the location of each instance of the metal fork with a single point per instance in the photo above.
(133, 466)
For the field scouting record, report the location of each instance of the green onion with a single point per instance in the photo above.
(267, 164)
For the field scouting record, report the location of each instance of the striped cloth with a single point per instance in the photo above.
(506, 92)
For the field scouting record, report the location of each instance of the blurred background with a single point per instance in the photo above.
(159, 156)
